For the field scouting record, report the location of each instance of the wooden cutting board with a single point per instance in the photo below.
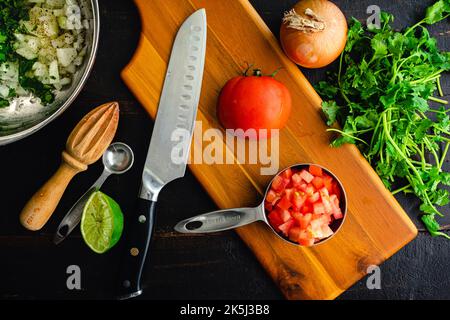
(375, 227)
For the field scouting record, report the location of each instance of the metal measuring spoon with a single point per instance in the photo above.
(117, 159)
(227, 219)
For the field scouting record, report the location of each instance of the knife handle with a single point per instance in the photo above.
(138, 233)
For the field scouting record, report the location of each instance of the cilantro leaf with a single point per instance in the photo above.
(433, 226)
(437, 12)
(331, 109)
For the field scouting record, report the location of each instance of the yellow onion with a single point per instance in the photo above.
(313, 33)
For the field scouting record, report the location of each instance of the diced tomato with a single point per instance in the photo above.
(324, 193)
(303, 187)
(294, 233)
(285, 227)
(315, 171)
(316, 216)
(268, 206)
(277, 184)
(328, 183)
(314, 198)
(308, 177)
(318, 208)
(328, 218)
(289, 192)
(336, 210)
(327, 205)
(284, 203)
(317, 182)
(296, 180)
(305, 241)
(338, 214)
(305, 238)
(325, 198)
(303, 220)
(289, 185)
(336, 190)
(272, 196)
(326, 231)
(298, 199)
(274, 218)
(287, 174)
(317, 227)
(307, 208)
(310, 190)
(285, 215)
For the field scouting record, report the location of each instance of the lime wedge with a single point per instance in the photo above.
(101, 223)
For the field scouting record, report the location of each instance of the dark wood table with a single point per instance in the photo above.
(217, 266)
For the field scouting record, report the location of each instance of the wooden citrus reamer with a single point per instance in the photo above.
(85, 145)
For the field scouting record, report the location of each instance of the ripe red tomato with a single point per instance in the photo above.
(254, 102)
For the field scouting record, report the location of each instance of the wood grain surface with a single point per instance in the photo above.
(376, 226)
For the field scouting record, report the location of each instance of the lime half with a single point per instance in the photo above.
(101, 223)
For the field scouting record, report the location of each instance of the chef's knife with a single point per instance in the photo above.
(169, 146)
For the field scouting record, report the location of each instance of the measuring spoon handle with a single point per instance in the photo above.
(73, 217)
(220, 220)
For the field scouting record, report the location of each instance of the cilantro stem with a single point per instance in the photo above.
(341, 58)
(439, 111)
(438, 81)
(414, 27)
(346, 134)
(408, 162)
(404, 60)
(395, 146)
(431, 149)
(421, 163)
(374, 132)
(431, 77)
(405, 188)
(438, 100)
(444, 155)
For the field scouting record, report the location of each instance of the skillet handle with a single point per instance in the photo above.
(137, 240)
(220, 220)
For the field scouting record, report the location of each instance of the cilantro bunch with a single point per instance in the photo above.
(380, 98)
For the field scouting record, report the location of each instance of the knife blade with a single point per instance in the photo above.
(168, 152)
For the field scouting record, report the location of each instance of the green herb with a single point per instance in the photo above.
(43, 91)
(381, 93)
(11, 12)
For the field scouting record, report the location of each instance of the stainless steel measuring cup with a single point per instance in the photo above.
(226, 219)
